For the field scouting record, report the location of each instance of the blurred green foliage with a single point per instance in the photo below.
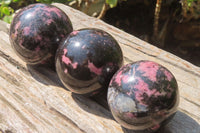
(6, 11)
(190, 9)
(189, 2)
(112, 3)
(8, 7)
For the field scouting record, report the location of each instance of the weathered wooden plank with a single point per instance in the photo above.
(33, 99)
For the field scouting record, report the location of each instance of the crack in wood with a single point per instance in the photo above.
(18, 113)
(73, 124)
(186, 84)
(190, 101)
(9, 78)
(186, 112)
(6, 131)
(13, 61)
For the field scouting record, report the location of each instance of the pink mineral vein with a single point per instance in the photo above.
(125, 78)
(65, 71)
(169, 95)
(54, 9)
(36, 10)
(150, 69)
(62, 35)
(83, 47)
(49, 21)
(170, 88)
(38, 38)
(75, 32)
(110, 64)
(74, 65)
(142, 88)
(94, 69)
(37, 49)
(16, 28)
(168, 75)
(21, 43)
(67, 61)
(129, 93)
(65, 51)
(26, 30)
(118, 78)
(47, 14)
(155, 127)
(130, 115)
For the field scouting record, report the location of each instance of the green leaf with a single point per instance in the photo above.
(112, 3)
(7, 2)
(16, 0)
(8, 19)
(6, 11)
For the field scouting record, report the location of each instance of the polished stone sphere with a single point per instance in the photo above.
(87, 60)
(143, 96)
(37, 30)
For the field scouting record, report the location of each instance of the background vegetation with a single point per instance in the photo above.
(8, 7)
(172, 25)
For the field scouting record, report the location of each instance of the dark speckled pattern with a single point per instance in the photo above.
(142, 95)
(87, 60)
(36, 32)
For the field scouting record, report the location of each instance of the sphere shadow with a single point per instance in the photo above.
(48, 76)
(181, 123)
(94, 105)
(45, 75)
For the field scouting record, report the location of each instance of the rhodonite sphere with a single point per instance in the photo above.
(87, 60)
(143, 96)
(36, 32)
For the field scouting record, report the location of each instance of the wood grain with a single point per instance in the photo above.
(32, 99)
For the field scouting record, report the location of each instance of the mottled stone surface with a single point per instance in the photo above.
(143, 95)
(87, 60)
(36, 32)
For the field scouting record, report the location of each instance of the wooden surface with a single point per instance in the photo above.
(32, 99)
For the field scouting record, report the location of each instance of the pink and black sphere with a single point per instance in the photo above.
(36, 32)
(143, 96)
(87, 59)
